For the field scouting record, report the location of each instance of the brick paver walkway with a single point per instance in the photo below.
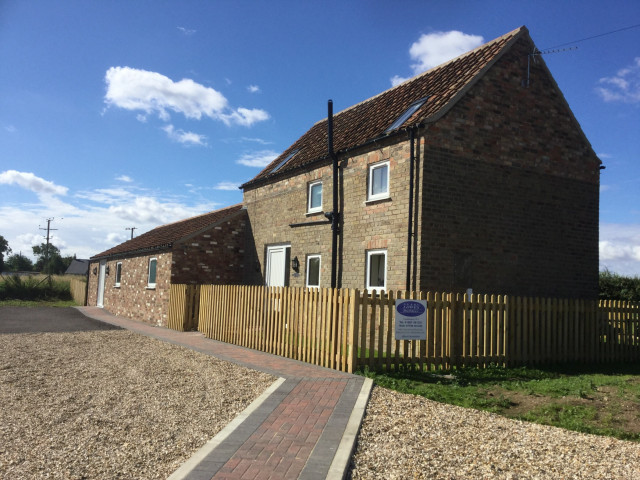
(295, 432)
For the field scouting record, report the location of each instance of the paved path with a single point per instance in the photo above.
(304, 426)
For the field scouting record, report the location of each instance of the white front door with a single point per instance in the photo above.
(101, 279)
(276, 272)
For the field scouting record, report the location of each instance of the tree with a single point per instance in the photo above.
(18, 263)
(48, 260)
(4, 248)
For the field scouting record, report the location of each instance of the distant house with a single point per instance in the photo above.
(78, 267)
(472, 175)
(133, 279)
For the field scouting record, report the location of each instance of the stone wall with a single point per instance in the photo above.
(134, 298)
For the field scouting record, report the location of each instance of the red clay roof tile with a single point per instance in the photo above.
(369, 119)
(166, 235)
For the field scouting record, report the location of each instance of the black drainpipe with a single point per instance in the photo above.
(333, 215)
(410, 222)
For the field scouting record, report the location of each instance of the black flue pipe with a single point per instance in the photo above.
(410, 228)
(334, 217)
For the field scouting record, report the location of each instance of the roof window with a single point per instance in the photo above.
(407, 113)
(286, 159)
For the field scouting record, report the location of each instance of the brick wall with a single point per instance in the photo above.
(215, 256)
(507, 199)
(365, 225)
(510, 190)
(133, 298)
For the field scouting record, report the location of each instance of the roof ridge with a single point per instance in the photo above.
(513, 33)
(195, 216)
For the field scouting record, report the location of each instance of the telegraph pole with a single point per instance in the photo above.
(46, 251)
(48, 237)
(132, 229)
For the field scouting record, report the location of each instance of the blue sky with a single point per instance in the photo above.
(133, 114)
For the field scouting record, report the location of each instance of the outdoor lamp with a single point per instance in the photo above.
(295, 264)
(107, 270)
(95, 270)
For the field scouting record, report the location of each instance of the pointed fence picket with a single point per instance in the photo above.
(345, 329)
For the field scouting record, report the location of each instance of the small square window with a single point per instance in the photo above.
(378, 181)
(314, 203)
(377, 270)
(153, 265)
(313, 271)
(118, 273)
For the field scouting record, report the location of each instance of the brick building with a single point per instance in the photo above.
(133, 279)
(484, 151)
(472, 175)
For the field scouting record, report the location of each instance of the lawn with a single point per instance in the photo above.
(603, 400)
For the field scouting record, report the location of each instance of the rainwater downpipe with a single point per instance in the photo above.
(410, 222)
(334, 215)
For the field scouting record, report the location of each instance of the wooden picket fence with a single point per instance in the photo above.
(346, 329)
(78, 290)
(184, 307)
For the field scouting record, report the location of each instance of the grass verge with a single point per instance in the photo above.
(601, 399)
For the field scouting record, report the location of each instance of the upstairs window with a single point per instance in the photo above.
(314, 203)
(313, 271)
(376, 270)
(378, 181)
(153, 265)
(118, 273)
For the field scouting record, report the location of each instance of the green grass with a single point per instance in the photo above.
(38, 303)
(35, 288)
(603, 400)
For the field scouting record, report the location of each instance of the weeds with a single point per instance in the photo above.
(30, 288)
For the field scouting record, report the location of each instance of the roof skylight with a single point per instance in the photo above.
(285, 160)
(407, 113)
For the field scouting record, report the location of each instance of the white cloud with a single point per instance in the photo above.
(188, 32)
(188, 138)
(245, 117)
(258, 159)
(30, 182)
(124, 178)
(154, 93)
(90, 221)
(397, 80)
(231, 186)
(253, 89)
(624, 86)
(433, 49)
(620, 248)
(10, 128)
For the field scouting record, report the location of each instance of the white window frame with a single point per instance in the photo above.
(371, 253)
(309, 257)
(378, 196)
(118, 278)
(149, 284)
(311, 209)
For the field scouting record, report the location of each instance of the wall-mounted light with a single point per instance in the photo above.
(107, 270)
(295, 264)
(95, 270)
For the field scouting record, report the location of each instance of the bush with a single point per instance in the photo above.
(617, 287)
(16, 287)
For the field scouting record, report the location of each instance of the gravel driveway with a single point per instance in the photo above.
(406, 437)
(105, 403)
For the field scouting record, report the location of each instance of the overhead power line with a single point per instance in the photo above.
(593, 36)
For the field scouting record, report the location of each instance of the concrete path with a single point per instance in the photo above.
(304, 426)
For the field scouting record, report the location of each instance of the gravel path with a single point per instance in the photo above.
(111, 404)
(409, 437)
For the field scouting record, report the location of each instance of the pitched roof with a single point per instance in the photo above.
(166, 235)
(78, 266)
(368, 120)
